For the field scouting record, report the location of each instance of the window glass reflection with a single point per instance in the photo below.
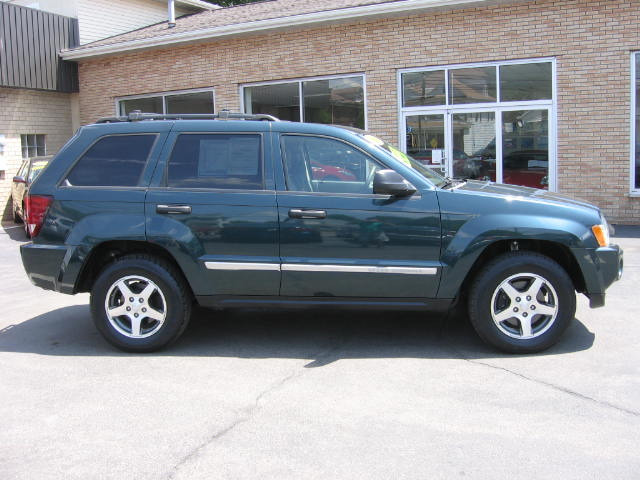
(530, 81)
(281, 100)
(337, 101)
(425, 140)
(146, 105)
(423, 88)
(199, 102)
(637, 146)
(474, 145)
(525, 148)
(472, 85)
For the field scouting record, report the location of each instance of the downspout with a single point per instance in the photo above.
(172, 13)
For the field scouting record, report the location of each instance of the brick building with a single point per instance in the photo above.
(539, 93)
(38, 90)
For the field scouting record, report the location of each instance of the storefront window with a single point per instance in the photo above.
(525, 148)
(423, 88)
(281, 100)
(147, 105)
(635, 163)
(199, 101)
(526, 81)
(337, 101)
(474, 148)
(334, 100)
(464, 121)
(472, 85)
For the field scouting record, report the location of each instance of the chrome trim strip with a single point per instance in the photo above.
(242, 266)
(306, 267)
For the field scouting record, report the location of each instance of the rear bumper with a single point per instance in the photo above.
(600, 268)
(43, 264)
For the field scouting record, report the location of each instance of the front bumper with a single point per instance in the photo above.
(600, 268)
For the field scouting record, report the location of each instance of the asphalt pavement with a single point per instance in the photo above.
(257, 394)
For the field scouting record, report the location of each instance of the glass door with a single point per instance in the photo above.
(473, 140)
(426, 139)
(494, 144)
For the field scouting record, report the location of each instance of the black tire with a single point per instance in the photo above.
(487, 301)
(171, 296)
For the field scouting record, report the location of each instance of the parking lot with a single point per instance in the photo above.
(320, 394)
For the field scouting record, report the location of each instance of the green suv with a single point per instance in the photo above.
(154, 213)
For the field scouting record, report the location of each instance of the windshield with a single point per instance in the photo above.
(426, 172)
(36, 168)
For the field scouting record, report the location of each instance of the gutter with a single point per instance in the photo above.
(337, 15)
(199, 4)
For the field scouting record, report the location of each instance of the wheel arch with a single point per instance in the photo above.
(106, 252)
(557, 252)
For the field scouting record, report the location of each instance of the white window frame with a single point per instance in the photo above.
(164, 97)
(29, 146)
(498, 107)
(300, 80)
(633, 191)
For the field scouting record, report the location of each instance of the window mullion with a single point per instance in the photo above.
(300, 102)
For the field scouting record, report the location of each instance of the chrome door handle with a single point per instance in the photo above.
(173, 208)
(300, 213)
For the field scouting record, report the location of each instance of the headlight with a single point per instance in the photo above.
(601, 232)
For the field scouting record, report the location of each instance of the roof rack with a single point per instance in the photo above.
(137, 116)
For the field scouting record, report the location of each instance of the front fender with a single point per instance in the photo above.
(465, 237)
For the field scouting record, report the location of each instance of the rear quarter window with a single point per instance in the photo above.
(113, 161)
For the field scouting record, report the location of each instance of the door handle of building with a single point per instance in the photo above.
(173, 208)
(299, 213)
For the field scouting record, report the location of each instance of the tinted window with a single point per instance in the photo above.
(316, 164)
(216, 161)
(115, 161)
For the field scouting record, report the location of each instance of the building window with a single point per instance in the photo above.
(185, 101)
(635, 129)
(330, 100)
(33, 145)
(491, 121)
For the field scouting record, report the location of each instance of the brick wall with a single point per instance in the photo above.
(591, 39)
(29, 111)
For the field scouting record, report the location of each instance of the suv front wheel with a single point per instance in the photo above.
(522, 302)
(140, 303)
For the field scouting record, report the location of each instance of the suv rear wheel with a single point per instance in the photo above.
(140, 303)
(522, 302)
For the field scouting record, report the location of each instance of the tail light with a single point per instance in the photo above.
(36, 207)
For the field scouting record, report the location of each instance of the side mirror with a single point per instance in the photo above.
(19, 179)
(390, 182)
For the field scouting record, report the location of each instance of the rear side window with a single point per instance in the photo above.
(115, 161)
(229, 161)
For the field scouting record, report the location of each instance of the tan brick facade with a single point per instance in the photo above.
(591, 40)
(29, 111)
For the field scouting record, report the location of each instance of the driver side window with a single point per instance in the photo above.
(319, 164)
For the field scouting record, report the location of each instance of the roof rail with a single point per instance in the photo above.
(137, 116)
